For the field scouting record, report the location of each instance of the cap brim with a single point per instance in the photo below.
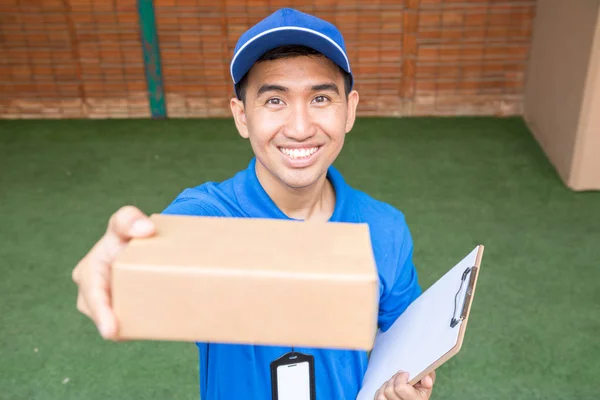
(283, 36)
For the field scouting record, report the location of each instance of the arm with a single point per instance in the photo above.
(400, 289)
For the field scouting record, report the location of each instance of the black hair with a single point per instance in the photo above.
(288, 51)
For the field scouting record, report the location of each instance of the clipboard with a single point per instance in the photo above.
(429, 332)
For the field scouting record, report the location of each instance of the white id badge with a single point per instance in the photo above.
(293, 377)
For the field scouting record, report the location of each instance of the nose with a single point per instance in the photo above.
(300, 125)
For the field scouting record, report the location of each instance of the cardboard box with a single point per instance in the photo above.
(249, 281)
(562, 91)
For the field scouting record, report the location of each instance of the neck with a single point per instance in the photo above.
(315, 202)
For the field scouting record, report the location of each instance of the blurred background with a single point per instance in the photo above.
(479, 119)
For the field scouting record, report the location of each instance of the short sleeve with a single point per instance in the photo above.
(401, 287)
(194, 202)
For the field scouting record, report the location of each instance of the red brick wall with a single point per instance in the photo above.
(71, 59)
(468, 57)
(82, 58)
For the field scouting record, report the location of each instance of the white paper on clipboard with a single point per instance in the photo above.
(422, 336)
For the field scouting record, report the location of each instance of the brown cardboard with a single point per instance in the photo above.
(249, 281)
(586, 166)
(562, 89)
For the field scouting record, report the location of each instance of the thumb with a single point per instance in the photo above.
(427, 382)
(129, 222)
(142, 227)
(425, 386)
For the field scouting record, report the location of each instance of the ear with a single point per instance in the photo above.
(352, 105)
(239, 116)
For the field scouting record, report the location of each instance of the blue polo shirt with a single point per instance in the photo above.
(232, 372)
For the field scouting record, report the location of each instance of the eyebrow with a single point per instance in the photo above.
(315, 88)
(270, 88)
(325, 87)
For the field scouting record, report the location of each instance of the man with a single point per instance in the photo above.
(295, 104)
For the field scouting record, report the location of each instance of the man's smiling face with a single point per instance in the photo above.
(296, 116)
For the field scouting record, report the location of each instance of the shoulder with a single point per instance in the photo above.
(378, 214)
(207, 199)
(390, 236)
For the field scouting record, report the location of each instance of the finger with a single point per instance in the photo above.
(379, 395)
(401, 378)
(129, 222)
(389, 391)
(402, 388)
(102, 314)
(82, 306)
(95, 292)
(76, 274)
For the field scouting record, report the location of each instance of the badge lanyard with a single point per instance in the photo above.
(293, 377)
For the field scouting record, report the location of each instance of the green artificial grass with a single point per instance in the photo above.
(535, 323)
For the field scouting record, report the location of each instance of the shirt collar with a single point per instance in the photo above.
(256, 203)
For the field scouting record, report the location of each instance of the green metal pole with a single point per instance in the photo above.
(152, 64)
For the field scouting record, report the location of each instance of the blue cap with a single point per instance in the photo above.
(288, 27)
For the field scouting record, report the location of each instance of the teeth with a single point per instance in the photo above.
(299, 153)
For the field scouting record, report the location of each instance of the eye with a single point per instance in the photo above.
(274, 101)
(321, 99)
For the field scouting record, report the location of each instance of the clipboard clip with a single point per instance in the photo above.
(468, 295)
